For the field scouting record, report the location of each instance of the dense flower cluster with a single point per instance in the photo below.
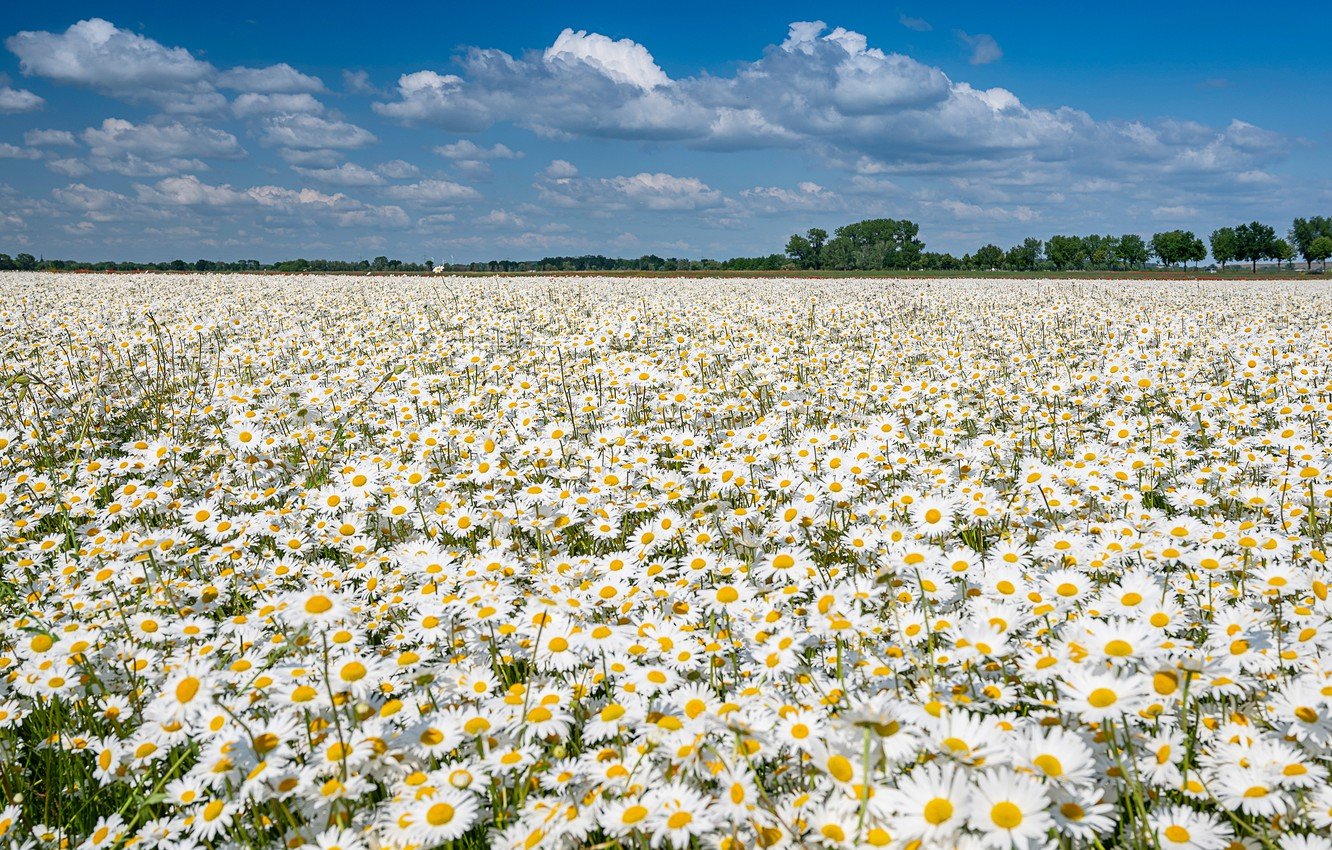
(347, 563)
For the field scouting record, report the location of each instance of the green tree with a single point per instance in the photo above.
(1100, 250)
(877, 243)
(989, 257)
(1177, 246)
(817, 237)
(1066, 252)
(1132, 250)
(798, 249)
(1305, 231)
(1224, 245)
(1255, 241)
(1024, 257)
(1320, 249)
(1196, 250)
(807, 250)
(25, 262)
(1283, 252)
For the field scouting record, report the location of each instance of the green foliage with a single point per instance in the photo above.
(1304, 232)
(1066, 252)
(872, 244)
(1178, 246)
(989, 257)
(1320, 249)
(1255, 241)
(1024, 257)
(1224, 245)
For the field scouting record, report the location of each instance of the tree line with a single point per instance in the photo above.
(869, 245)
(27, 262)
(892, 244)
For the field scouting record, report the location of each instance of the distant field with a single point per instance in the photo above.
(550, 562)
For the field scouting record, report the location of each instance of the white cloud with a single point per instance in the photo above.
(251, 104)
(151, 149)
(501, 218)
(175, 195)
(466, 150)
(97, 53)
(347, 174)
(805, 196)
(624, 61)
(984, 49)
(972, 212)
(8, 151)
(50, 138)
(433, 192)
(310, 132)
(917, 24)
(18, 100)
(317, 158)
(190, 191)
(290, 199)
(822, 89)
(642, 191)
(1178, 211)
(358, 82)
(100, 55)
(85, 198)
(398, 169)
(373, 216)
(863, 184)
(561, 169)
(69, 167)
(275, 79)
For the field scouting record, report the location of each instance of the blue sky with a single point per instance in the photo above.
(477, 131)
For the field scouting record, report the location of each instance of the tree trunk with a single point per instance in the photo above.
(1255, 267)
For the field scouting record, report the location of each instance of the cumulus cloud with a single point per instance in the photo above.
(155, 149)
(8, 151)
(625, 61)
(501, 218)
(984, 49)
(253, 103)
(18, 100)
(97, 53)
(822, 89)
(642, 191)
(1178, 211)
(187, 195)
(806, 195)
(311, 132)
(358, 82)
(465, 149)
(50, 138)
(275, 79)
(347, 174)
(69, 166)
(100, 55)
(88, 199)
(473, 160)
(973, 212)
(560, 169)
(433, 192)
(398, 169)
